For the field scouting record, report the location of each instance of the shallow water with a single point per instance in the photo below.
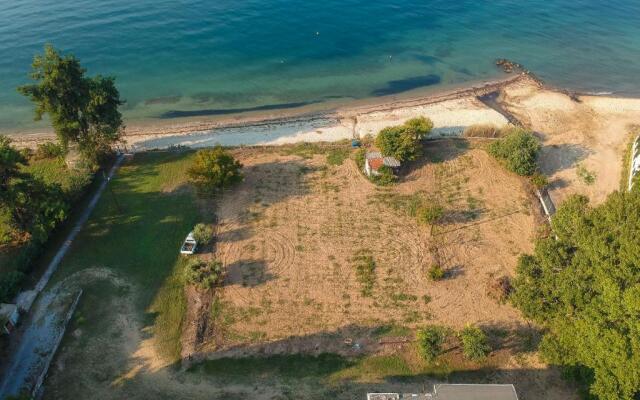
(201, 57)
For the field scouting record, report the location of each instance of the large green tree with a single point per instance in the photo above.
(583, 285)
(518, 151)
(214, 169)
(404, 142)
(82, 110)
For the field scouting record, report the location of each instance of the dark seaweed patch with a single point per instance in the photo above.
(225, 111)
(163, 100)
(404, 85)
(427, 59)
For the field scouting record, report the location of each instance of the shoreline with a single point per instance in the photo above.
(451, 109)
(299, 117)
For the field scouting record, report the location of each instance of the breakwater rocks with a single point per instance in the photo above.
(509, 66)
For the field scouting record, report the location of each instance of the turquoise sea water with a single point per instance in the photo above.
(204, 57)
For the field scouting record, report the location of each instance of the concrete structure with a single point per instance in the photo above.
(374, 160)
(9, 316)
(454, 392)
(634, 169)
(25, 300)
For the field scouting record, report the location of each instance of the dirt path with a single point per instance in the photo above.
(40, 331)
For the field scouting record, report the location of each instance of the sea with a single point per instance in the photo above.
(191, 58)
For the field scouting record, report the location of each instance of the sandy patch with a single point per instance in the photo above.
(288, 234)
(581, 138)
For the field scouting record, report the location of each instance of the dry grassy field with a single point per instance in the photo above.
(290, 234)
(327, 278)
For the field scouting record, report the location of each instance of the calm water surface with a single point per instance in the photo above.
(203, 57)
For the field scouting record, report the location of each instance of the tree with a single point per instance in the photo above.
(404, 142)
(430, 340)
(203, 234)
(475, 344)
(518, 151)
(10, 161)
(583, 285)
(215, 169)
(83, 110)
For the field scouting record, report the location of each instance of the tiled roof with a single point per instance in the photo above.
(376, 163)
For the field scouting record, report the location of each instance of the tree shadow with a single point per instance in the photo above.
(234, 235)
(559, 157)
(454, 272)
(435, 152)
(248, 273)
(452, 217)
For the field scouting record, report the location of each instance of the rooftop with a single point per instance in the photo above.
(454, 392)
(374, 156)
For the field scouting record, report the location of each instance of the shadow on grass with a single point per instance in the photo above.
(434, 152)
(559, 157)
(248, 273)
(392, 366)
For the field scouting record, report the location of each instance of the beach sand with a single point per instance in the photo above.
(450, 110)
(579, 132)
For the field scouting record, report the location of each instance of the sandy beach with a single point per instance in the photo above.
(451, 110)
(579, 132)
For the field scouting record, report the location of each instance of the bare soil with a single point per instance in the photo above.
(582, 136)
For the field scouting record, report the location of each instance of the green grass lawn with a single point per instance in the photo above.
(136, 231)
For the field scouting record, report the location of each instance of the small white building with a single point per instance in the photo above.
(373, 160)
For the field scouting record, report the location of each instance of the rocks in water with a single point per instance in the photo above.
(509, 66)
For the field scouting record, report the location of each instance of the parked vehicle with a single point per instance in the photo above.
(189, 245)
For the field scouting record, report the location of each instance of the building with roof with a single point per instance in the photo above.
(454, 392)
(374, 160)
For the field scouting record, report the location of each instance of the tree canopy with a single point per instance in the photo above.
(583, 285)
(82, 110)
(518, 150)
(34, 199)
(215, 169)
(404, 141)
(10, 161)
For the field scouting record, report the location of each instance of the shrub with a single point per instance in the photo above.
(203, 234)
(359, 157)
(481, 130)
(203, 274)
(500, 289)
(365, 272)
(518, 151)
(539, 181)
(337, 156)
(49, 150)
(7, 230)
(586, 176)
(429, 214)
(436, 272)
(386, 176)
(475, 345)
(215, 169)
(10, 285)
(404, 141)
(430, 340)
